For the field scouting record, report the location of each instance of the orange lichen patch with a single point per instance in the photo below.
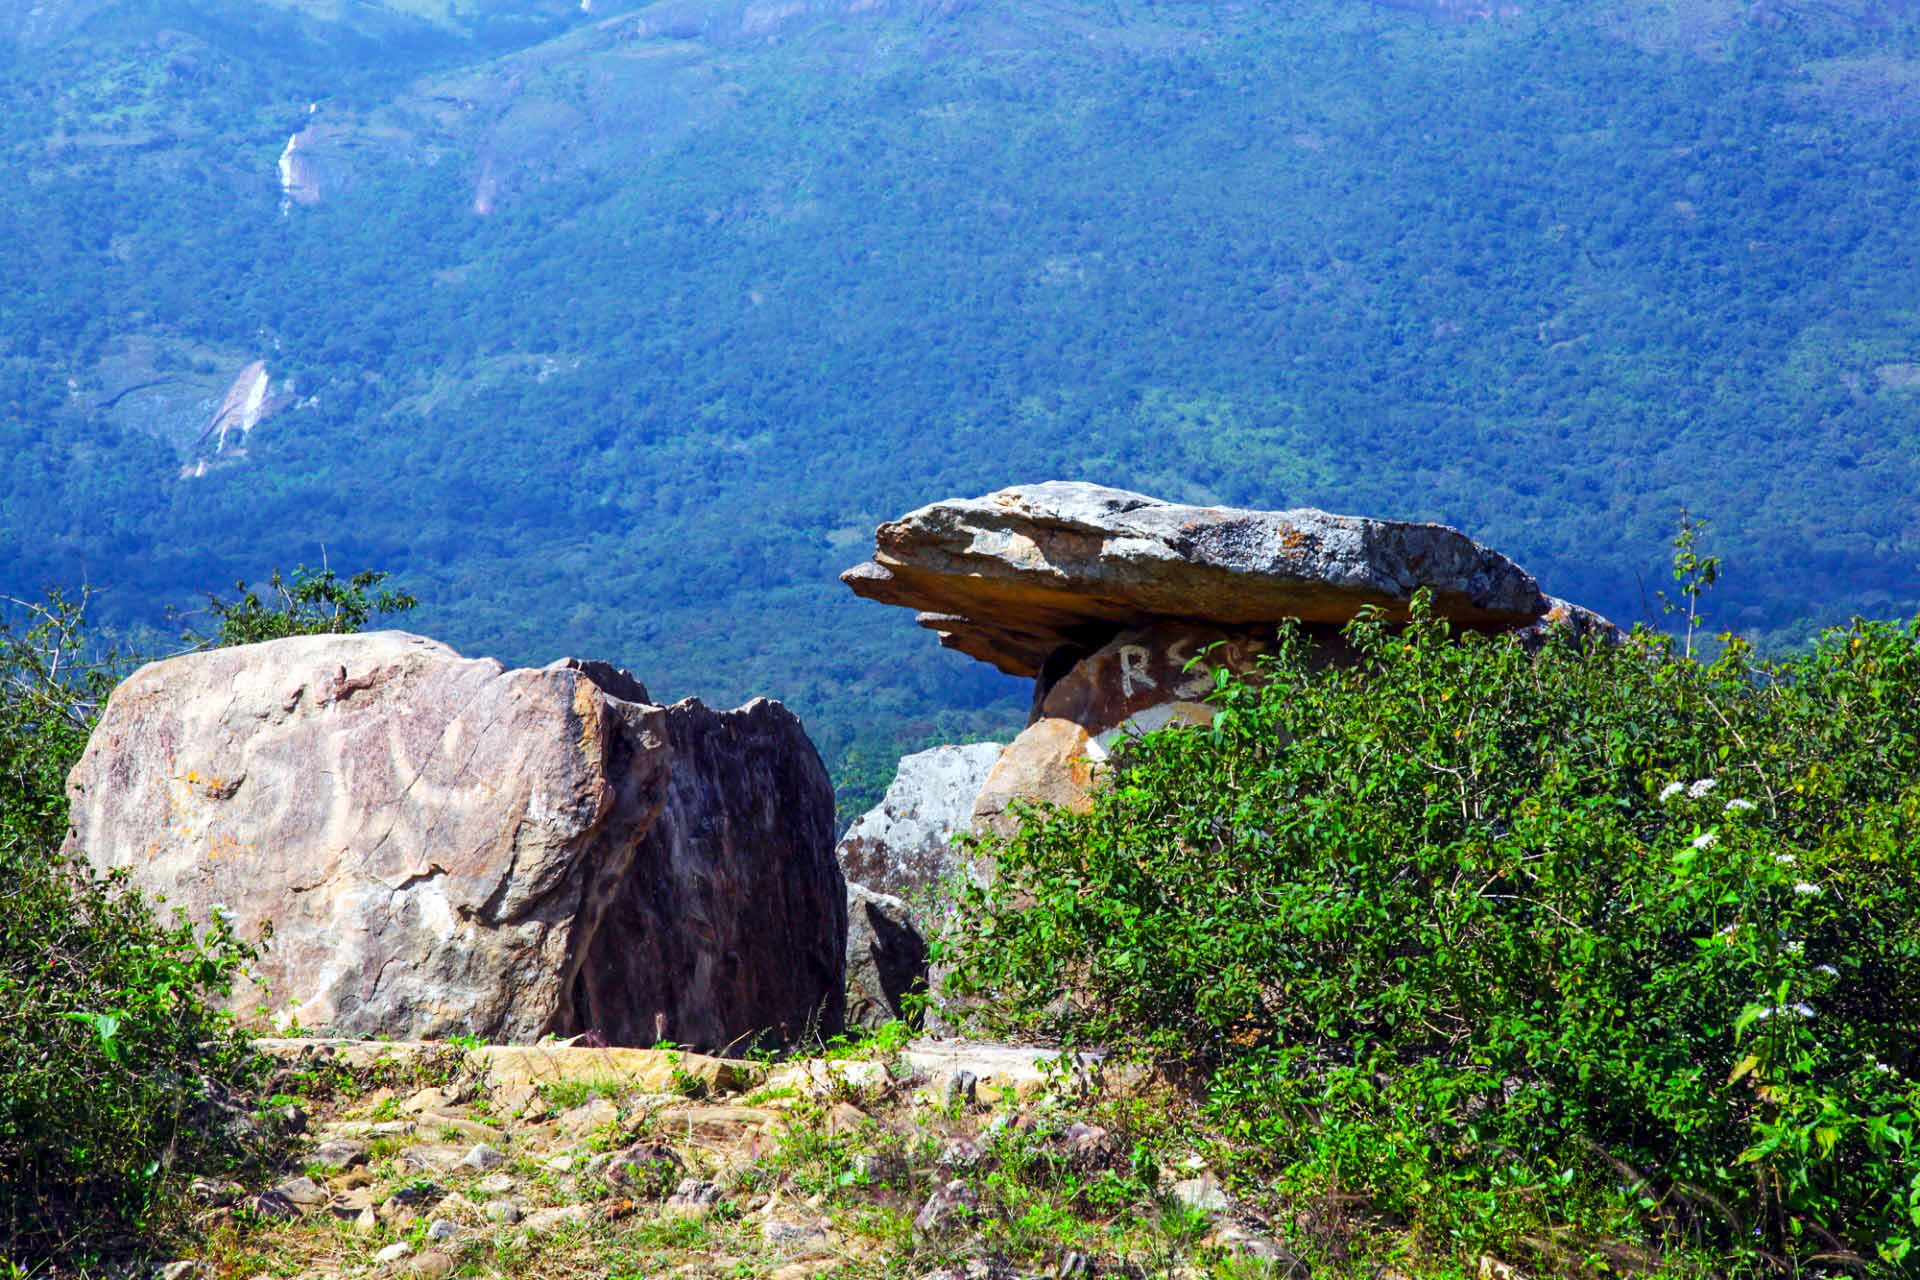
(1294, 541)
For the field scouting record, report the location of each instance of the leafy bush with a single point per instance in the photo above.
(117, 1069)
(1531, 950)
(120, 1071)
(311, 602)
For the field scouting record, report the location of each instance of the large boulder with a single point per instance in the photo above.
(886, 958)
(729, 925)
(1125, 609)
(1014, 576)
(441, 845)
(903, 846)
(897, 857)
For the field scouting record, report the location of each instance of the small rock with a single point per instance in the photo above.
(271, 1206)
(440, 1230)
(393, 1253)
(594, 1114)
(497, 1185)
(880, 1166)
(337, 1155)
(547, 1221)
(426, 1100)
(650, 1169)
(304, 1193)
(293, 1118)
(961, 1155)
(1075, 1266)
(1238, 1242)
(693, 1198)
(365, 1223)
(558, 1164)
(416, 1193)
(1203, 1194)
(946, 1208)
(184, 1269)
(431, 1265)
(504, 1211)
(482, 1158)
(963, 1090)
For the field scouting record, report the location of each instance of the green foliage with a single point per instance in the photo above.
(784, 289)
(119, 1075)
(312, 602)
(1529, 949)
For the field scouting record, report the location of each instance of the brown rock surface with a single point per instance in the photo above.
(731, 924)
(1049, 763)
(438, 841)
(1013, 576)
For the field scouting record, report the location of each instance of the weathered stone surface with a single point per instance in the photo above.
(731, 924)
(1049, 763)
(1168, 662)
(1014, 576)
(886, 957)
(444, 846)
(903, 847)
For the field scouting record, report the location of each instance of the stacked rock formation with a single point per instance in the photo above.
(443, 846)
(895, 859)
(1104, 598)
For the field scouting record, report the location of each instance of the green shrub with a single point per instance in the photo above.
(1531, 950)
(118, 1073)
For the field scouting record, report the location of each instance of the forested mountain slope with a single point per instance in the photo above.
(615, 331)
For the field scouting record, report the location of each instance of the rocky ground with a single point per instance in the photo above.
(920, 1160)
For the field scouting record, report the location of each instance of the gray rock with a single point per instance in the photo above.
(184, 1269)
(482, 1158)
(963, 1090)
(886, 958)
(903, 847)
(440, 1230)
(543, 1222)
(1203, 1194)
(1017, 575)
(693, 1198)
(393, 1253)
(337, 1155)
(303, 1192)
(504, 1211)
(649, 1169)
(431, 1265)
(444, 846)
(948, 1207)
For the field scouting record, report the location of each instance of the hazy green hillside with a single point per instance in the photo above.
(616, 332)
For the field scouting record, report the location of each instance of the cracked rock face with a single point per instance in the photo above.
(1012, 577)
(438, 842)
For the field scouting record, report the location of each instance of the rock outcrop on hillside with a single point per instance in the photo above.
(903, 846)
(1124, 608)
(443, 846)
(1013, 577)
(731, 918)
(896, 857)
